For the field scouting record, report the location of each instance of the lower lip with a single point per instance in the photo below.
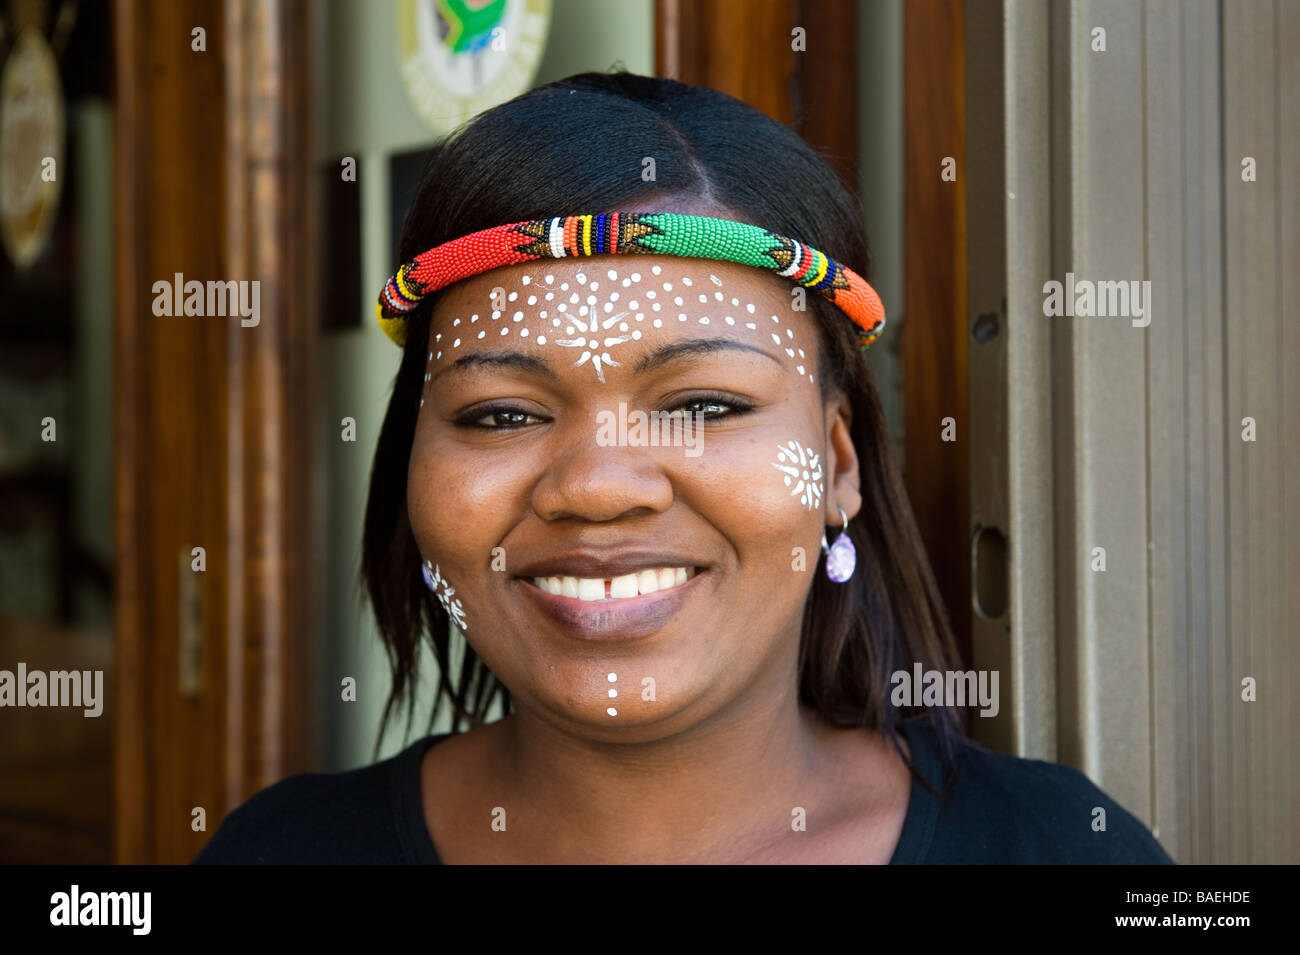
(626, 619)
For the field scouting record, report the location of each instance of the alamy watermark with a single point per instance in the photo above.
(180, 297)
(83, 688)
(924, 687)
(1084, 298)
(653, 429)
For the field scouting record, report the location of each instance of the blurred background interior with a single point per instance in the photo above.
(215, 138)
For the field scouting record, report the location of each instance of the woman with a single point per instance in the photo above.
(618, 475)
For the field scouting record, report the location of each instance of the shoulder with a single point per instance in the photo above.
(311, 818)
(1009, 809)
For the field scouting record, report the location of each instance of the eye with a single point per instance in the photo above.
(712, 406)
(497, 418)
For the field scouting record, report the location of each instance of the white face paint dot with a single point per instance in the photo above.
(541, 339)
(686, 280)
(564, 286)
(550, 279)
(636, 276)
(776, 338)
(512, 296)
(523, 333)
(634, 305)
(525, 280)
(650, 293)
(568, 330)
(626, 283)
(562, 307)
(611, 711)
(613, 296)
(612, 693)
(799, 368)
(622, 326)
(718, 296)
(704, 321)
(609, 307)
(659, 323)
(655, 269)
(704, 298)
(637, 334)
(750, 308)
(595, 285)
(611, 275)
(655, 307)
(789, 333)
(640, 316)
(735, 301)
(582, 278)
(801, 355)
(730, 320)
(668, 286)
(751, 326)
(714, 279)
(505, 329)
(574, 297)
(775, 319)
(439, 354)
(612, 678)
(518, 316)
(532, 300)
(582, 310)
(678, 300)
(481, 334)
(681, 318)
(555, 323)
(550, 296)
(455, 322)
(456, 343)
(542, 313)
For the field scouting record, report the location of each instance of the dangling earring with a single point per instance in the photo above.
(842, 556)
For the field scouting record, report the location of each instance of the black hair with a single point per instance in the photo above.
(579, 145)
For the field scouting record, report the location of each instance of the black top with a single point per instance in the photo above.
(1003, 809)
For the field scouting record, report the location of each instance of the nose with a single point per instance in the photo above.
(595, 483)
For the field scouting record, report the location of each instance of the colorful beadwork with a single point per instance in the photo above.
(614, 233)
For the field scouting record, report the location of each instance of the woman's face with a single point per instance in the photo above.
(620, 478)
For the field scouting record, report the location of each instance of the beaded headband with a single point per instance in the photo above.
(615, 233)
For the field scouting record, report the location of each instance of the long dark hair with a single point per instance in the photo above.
(577, 145)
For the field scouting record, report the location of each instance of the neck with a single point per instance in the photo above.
(723, 783)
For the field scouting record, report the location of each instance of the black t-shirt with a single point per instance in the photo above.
(1002, 809)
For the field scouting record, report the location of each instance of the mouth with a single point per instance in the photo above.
(652, 580)
(623, 607)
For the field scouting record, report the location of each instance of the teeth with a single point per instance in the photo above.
(620, 588)
(624, 586)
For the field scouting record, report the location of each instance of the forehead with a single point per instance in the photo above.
(601, 310)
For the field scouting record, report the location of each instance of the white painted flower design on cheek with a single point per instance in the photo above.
(445, 593)
(803, 473)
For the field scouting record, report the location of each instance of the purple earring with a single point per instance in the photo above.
(842, 556)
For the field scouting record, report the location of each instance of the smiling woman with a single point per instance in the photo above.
(684, 680)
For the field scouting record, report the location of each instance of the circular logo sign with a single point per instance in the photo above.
(460, 57)
(31, 147)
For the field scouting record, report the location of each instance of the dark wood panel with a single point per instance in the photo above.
(933, 339)
(213, 161)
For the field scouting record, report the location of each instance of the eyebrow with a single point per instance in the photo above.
(674, 351)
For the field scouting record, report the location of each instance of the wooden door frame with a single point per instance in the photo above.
(212, 166)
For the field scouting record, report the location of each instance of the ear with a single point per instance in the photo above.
(843, 480)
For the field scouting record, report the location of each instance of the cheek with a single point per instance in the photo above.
(458, 509)
(764, 495)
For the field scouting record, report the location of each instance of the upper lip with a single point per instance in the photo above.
(606, 565)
